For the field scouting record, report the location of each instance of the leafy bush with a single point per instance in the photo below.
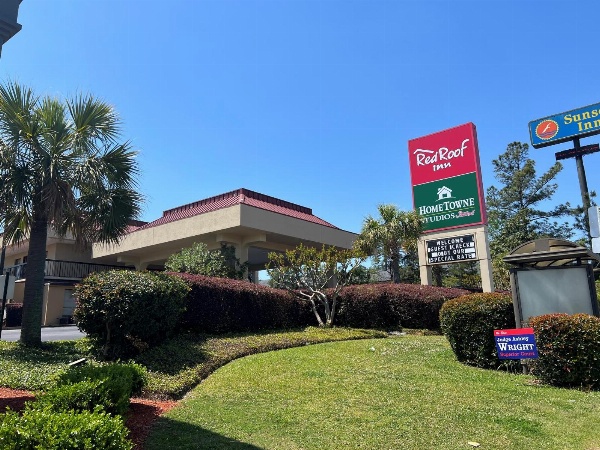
(85, 395)
(221, 305)
(217, 305)
(569, 349)
(469, 323)
(126, 312)
(393, 306)
(199, 260)
(116, 383)
(14, 314)
(43, 429)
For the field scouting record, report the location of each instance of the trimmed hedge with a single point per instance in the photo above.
(14, 314)
(43, 429)
(116, 383)
(469, 323)
(81, 396)
(569, 350)
(125, 312)
(222, 305)
(393, 306)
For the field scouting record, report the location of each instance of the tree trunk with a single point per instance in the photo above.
(316, 313)
(395, 263)
(33, 298)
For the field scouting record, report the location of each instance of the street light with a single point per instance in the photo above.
(9, 10)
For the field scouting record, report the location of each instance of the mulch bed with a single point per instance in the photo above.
(139, 419)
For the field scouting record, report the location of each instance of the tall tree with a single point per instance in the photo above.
(62, 167)
(390, 236)
(515, 210)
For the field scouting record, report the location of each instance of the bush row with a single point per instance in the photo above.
(568, 345)
(217, 305)
(393, 306)
(125, 312)
(82, 411)
(221, 305)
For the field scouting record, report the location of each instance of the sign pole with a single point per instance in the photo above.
(4, 293)
(583, 187)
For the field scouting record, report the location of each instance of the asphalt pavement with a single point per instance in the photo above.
(64, 333)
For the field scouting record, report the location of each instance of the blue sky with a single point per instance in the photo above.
(312, 101)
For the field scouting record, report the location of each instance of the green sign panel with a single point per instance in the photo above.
(448, 203)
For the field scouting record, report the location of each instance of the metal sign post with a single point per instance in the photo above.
(4, 293)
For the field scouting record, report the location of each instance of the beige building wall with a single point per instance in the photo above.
(69, 252)
(53, 303)
(19, 290)
(240, 225)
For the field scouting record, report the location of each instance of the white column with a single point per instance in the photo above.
(424, 270)
(485, 260)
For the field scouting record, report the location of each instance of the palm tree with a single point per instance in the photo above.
(394, 231)
(61, 167)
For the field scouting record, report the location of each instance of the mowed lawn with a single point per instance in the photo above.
(399, 393)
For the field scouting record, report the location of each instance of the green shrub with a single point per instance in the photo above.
(469, 323)
(199, 260)
(568, 349)
(126, 312)
(393, 306)
(43, 429)
(116, 384)
(218, 305)
(221, 305)
(81, 396)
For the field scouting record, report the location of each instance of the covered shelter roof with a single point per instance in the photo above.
(254, 223)
(547, 252)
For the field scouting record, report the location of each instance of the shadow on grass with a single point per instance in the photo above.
(169, 433)
(175, 355)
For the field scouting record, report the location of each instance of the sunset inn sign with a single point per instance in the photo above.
(448, 195)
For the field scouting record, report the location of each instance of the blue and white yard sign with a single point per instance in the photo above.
(518, 343)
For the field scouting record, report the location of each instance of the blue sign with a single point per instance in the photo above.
(566, 126)
(518, 343)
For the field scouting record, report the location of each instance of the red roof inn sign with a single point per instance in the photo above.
(448, 195)
(446, 178)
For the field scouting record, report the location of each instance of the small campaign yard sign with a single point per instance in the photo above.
(518, 343)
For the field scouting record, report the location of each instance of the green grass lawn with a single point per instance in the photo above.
(397, 393)
(174, 367)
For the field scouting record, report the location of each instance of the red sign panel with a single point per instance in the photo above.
(444, 154)
(446, 178)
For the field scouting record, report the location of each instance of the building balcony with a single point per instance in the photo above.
(66, 270)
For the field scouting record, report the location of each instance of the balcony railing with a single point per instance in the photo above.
(64, 269)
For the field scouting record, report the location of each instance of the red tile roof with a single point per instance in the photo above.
(239, 196)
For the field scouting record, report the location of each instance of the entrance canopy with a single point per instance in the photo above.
(255, 224)
(549, 252)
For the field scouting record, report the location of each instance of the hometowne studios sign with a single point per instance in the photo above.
(448, 195)
(446, 178)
